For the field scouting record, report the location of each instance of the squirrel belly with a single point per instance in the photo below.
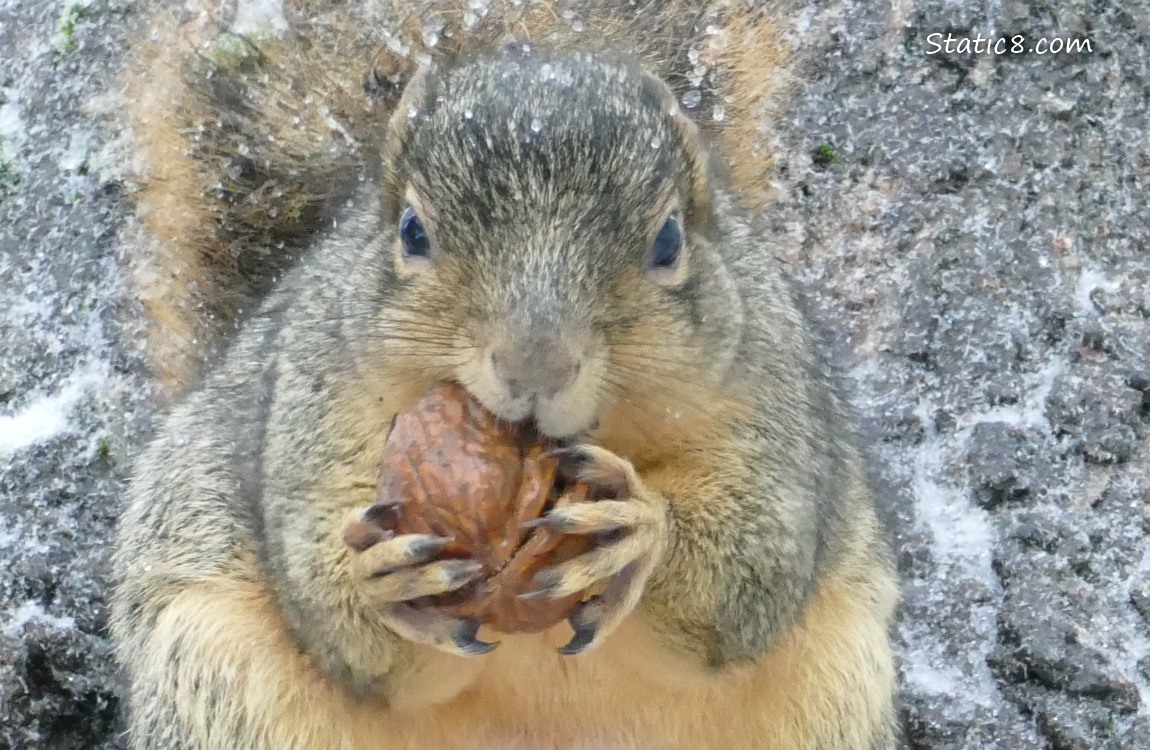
(341, 213)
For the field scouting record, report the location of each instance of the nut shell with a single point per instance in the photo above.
(463, 474)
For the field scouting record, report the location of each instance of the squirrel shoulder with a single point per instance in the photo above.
(539, 223)
(252, 134)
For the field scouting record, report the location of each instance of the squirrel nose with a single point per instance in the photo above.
(541, 369)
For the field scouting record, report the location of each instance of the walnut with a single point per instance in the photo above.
(466, 475)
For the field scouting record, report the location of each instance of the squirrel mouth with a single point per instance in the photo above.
(554, 416)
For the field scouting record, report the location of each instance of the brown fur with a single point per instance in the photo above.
(524, 684)
(758, 595)
(220, 225)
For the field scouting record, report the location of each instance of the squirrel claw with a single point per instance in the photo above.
(571, 455)
(466, 641)
(383, 513)
(554, 521)
(433, 628)
(630, 525)
(535, 523)
(544, 584)
(597, 617)
(584, 637)
(372, 525)
(611, 476)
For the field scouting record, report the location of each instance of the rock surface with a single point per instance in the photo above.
(970, 229)
(977, 246)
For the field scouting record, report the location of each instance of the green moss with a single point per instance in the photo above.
(66, 26)
(104, 449)
(825, 155)
(241, 53)
(10, 179)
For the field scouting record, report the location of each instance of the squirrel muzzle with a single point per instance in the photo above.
(540, 371)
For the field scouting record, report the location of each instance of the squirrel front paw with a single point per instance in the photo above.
(631, 530)
(394, 569)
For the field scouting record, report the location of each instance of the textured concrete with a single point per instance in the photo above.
(971, 231)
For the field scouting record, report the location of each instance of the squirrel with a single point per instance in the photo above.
(542, 205)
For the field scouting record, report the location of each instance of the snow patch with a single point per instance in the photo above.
(11, 125)
(29, 612)
(76, 154)
(45, 417)
(962, 532)
(921, 671)
(1031, 411)
(1121, 628)
(260, 17)
(1089, 281)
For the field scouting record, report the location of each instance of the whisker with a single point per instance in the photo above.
(682, 400)
(644, 372)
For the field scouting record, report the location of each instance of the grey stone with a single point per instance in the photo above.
(980, 246)
(1099, 411)
(927, 725)
(1140, 597)
(1071, 724)
(1039, 645)
(1001, 460)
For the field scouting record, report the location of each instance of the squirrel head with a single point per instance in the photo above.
(551, 216)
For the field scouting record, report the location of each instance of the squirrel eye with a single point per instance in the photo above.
(665, 249)
(413, 236)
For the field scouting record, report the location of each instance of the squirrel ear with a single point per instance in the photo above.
(697, 212)
(400, 127)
